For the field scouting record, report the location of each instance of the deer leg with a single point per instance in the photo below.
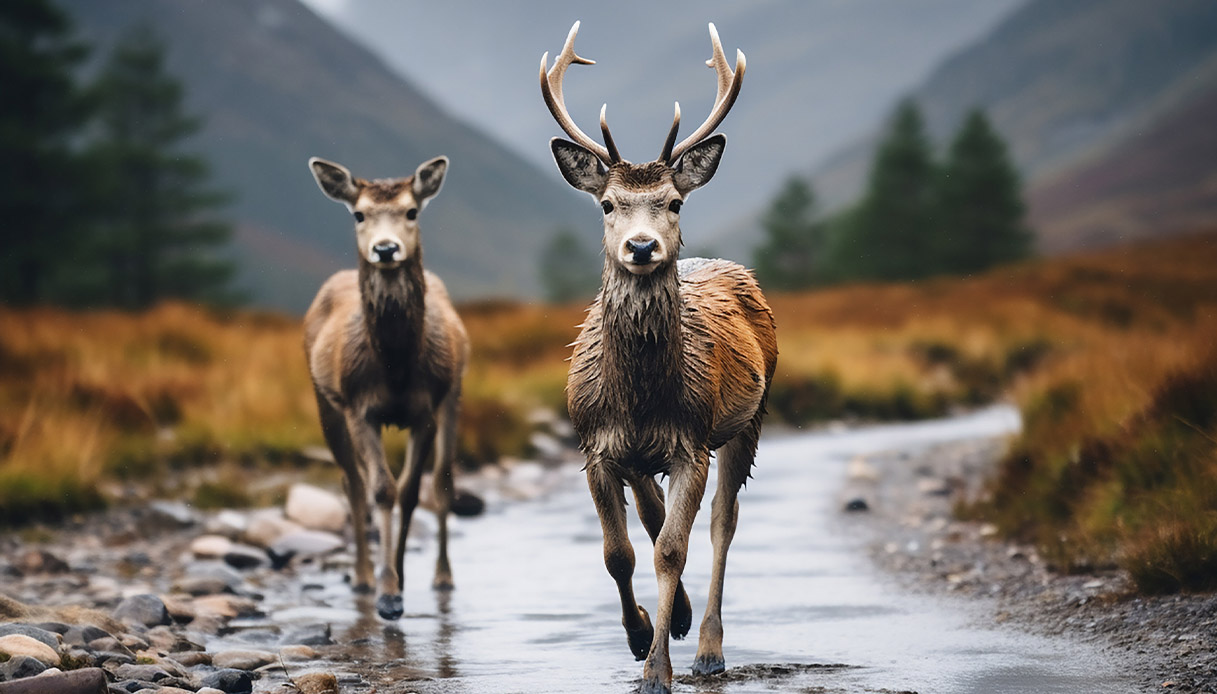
(734, 462)
(418, 452)
(671, 549)
(333, 426)
(365, 438)
(445, 452)
(609, 497)
(649, 497)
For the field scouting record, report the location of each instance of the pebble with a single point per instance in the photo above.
(40, 561)
(856, 505)
(145, 609)
(229, 681)
(306, 543)
(315, 508)
(50, 638)
(243, 557)
(172, 514)
(316, 683)
(267, 526)
(19, 666)
(312, 635)
(141, 673)
(19, 644)
(210, 546)
(297, 653)
(243, 659)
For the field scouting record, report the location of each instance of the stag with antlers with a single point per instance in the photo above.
(673, 362)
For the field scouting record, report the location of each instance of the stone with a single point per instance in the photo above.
(210, 546)
(315, 508)
(20, 666)
(306, 543)
(311, 635)
(84, 634)
(857, 505)
(208, 577)
(145, 609)
(298, 653)
(316, 683)
(19, 644)
(173, 514)
(210, 690)
(229, 523)
(241, 556)
(467, 504)
(83, 681)
(192, 658)
(142, 673)
(243, 659)
(229, 681)
(226, 606)
(269, 525)
(48, 637)
(40, 561)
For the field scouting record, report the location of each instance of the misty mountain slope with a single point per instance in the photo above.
(1059, 79)
(276, 84)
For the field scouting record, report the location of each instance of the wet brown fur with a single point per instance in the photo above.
(385, 347)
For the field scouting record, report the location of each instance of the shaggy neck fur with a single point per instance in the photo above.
(393, 310)
(643, 348)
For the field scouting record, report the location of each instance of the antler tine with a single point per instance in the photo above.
(551, 90)
(611, 146)
(666, 154)
(729, 83)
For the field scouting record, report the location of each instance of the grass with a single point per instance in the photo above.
(1111, 356)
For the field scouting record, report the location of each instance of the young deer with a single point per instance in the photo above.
(674, 361)
(386, 347)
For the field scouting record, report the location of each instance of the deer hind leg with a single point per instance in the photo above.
(333, 426)
(445, 453)
(734, 462)
(649, 497)
(671, 549)
(418, 452)
(365, 439)
(608, 494)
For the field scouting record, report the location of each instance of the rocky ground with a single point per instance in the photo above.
(903, 505)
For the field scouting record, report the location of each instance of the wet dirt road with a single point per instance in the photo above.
(805, 610)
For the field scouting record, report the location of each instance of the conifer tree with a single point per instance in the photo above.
(794, 239)
(981, 218)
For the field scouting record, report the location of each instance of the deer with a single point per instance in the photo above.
(386, 347)
(673, 361)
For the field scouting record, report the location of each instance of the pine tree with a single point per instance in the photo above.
(157, 236)
(39, 172)
(892, 234)
(569, 269)
(794, 239)
(981, 219)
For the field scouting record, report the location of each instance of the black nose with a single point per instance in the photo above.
(642, 251)
(385, 251)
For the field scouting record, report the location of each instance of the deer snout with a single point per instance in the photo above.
(386, 252)
(641, 249)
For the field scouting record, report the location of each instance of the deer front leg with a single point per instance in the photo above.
(671, 549)
(418, 452)
(608, 494)
(333, 426)
(365, 438)
(445, 452)
(649, 497)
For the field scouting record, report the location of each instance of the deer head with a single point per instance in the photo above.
(641, 202)
(385, 210)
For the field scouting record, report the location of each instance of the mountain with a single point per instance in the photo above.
(276, 84)
(821, 73)
(1076, 88)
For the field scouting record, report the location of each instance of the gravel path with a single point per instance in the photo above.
(1168, 642)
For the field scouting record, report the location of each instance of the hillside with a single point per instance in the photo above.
(1062, 81)
(276, 84)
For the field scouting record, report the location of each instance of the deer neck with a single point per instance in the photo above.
(642, 331)
(393, 308)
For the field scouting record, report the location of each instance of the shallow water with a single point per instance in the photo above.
(804, 611)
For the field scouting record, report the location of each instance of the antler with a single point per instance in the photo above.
(729, 83)
(551, 90)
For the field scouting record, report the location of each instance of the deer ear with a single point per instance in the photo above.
(334, 180)
(428, 179)
(698, 164)
(579, 166)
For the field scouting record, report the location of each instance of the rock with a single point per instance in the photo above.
(316, 683)
(243, 659)
(165, 639)
(49, 638)
(267, 526)
(316, 508)
(229, 523)
(245, 557)
(19, 644)
(210, 546)
(142, 673)
(20, 666)
(297, 653)
(145, 609)
(84, 634)
(934, 487)
(207, 578)
(172, 514)
(226, 606)
(312, 635)
(83, 681)
(856, 505)
(229, 681)
(210, 690)
(40, 561)
(860, 470)
(467, 504)
(192, 658)
(306, 543)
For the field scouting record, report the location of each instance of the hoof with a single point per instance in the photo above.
(709, 665)
(389, 607)
(682, 616)
(654, 687)
(362, 589)
(640, 638)
(442, 583)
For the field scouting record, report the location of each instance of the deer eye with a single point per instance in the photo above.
(674, 206)
(412, 213)
(358, 216)
(606, 206)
